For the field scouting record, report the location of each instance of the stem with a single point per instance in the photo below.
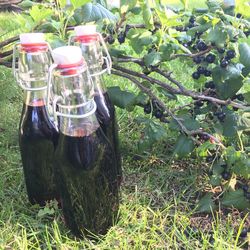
(148, 78)
(149, 92)
(191, 55)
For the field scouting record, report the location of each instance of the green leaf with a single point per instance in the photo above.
(215, 180)
(78, 3)
(166, 51)
(217, 35)
(200, 28)
(122, 99)
(228, 81)
(152, 133)
(244, 50)
(38, 13)
(55, 41)
(147, 15)
(243, 7)
(247, 96)
(166, 93)
(26, 4)
(45, 211)
(203, 149)
(206, 204)
(213, 5)
(235, 199)
(152, 59)
(189, 123)
(62, 3)
(92, 12)
(230, 126)
(183, 146)
(139, 39)
(126, 5)
(242, 168)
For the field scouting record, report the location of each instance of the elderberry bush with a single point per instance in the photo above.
(213, 124)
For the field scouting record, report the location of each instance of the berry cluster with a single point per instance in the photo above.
(109, 36)
(155, 110)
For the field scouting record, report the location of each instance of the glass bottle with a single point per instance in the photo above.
(37, 134)
(84, 159)
(91, 44)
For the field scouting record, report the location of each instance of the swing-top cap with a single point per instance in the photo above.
(67, 56)
(84, 30)
(32, 38)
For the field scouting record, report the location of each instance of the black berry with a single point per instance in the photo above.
(238, 15)
(210, 58)
(247, 195)
(201, 46)
(192, 19)
(111, 39)
(247, 33)
(224, 166)
(205, 137)
(223, 63)
(243, 233)
(121, 37)
(146, 71)
(197, 59)
(196, 75)
(199, 103)
(207, 72)
(245, 188)
(158, 114)
(221, 116)
(226, 175)
(210, 85)
(201, 70)
(221, 50)
(147, 109)
(230, 54)
(209, 158)
(240, 97)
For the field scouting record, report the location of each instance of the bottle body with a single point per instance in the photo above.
(85, 162)
(107, 118)
(37, 134)
(37, 142)
(92, 52)
(87, 181)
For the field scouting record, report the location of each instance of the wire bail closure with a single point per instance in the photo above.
(56, 98)
(106, 58)
(16, 71)
(56, 113)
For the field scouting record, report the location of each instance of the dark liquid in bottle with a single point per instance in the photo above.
(106, 117)
(87, 179)
(37, 141)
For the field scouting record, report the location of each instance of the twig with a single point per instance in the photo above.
(8, 41)
(148, 91)
(6, 53)
(6, 64)
(148, 78)
(191, 55)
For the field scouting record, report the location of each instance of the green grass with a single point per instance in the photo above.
(158, 196)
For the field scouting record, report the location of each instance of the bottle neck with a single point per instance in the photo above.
(75, 106)
(94, 58)
(35, 98)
